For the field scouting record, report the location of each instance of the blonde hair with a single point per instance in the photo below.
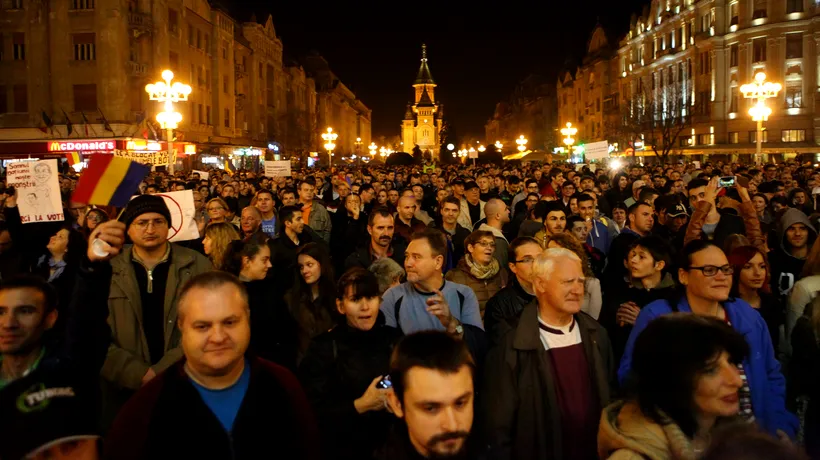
(221, 233)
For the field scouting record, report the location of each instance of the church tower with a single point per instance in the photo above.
(422, 121)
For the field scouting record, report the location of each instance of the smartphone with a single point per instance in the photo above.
(726, 181)
(385, 383)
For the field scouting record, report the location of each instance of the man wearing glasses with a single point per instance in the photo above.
(504, 308)
(142, 301)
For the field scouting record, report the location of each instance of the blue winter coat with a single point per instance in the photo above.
(766, 381)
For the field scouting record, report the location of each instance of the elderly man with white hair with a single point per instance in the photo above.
(552, 375)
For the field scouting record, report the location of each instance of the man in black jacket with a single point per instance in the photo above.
(503, 309)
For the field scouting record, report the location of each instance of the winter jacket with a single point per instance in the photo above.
(521, 404)
(464, 216)
(483, 289)
(167, 419)
(625, 433)
(502, 311)
(728, 224)
(337, 369)
(766, 382)
(319, 221)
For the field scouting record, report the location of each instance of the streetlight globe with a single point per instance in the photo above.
(451, 147)
(167, 75)
(760, 77)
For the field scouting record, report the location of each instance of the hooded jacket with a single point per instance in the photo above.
(784, 266)
(625, 433)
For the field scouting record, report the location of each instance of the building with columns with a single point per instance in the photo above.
(674, 80)
(423, 119)
(88, 61)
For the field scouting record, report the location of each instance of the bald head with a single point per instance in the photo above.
(497, 213)
(407, 207)
(251, 211)
(494, 206)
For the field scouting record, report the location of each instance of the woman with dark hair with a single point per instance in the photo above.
(706, 275)
(750, 282)
(90, 221)
(619, 191)
(273, 335)
(342, 369)
(311, 299)
(680, 391)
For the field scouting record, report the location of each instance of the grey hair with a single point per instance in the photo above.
(545, 263)
(386, 271)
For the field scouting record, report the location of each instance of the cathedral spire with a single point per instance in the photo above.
(424, 77)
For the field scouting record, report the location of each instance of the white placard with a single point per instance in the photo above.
(277, 168)
(596, 150)
(202, 174)
(38, 190)
(472, 154)
(181, 205)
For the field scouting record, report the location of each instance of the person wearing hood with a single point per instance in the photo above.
(342, 370)
(681, 391)
(795, 235)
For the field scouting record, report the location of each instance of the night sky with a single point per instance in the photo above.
(477, 53)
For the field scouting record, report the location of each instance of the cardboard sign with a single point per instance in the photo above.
(277, 168)
(38, 190)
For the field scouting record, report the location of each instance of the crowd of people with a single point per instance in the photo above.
(536, 311)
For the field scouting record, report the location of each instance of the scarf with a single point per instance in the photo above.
(481, 272)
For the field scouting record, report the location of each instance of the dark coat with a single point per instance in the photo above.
(167, 419)
(521, 407)
(503, 310)
(337, 369)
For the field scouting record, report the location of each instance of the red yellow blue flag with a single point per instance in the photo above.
(229, 167)
(74, 158)
(109, 181)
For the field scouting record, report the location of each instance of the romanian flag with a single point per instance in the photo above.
(229, 167)
(109, 181)
(73, 158)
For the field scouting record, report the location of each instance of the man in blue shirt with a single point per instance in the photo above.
(426, 301)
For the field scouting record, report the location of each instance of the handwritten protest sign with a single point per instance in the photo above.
(38, 190)
(277, 168)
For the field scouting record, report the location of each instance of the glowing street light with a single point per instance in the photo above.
(330, 138)
(569, 132)
(498, 146)
(383, 152)
(522, 143)
(168, 93)
(760, 90)
(373, 147)
(481, 148)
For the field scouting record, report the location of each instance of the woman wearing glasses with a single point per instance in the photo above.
(706, 276)
(479, 269)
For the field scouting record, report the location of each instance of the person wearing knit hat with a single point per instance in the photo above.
(146, 279)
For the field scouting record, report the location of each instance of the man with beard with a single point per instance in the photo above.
(433, 392)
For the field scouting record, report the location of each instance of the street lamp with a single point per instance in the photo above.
(329, 138)
(383, 152)
(569, 132)
(760, 90)
(373, 147)
(498, 146)
(168, 93)
(522, 143)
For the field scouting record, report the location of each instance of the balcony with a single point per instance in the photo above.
(139, 23)
(136, 69)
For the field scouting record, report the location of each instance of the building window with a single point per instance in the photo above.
(734, 137)
(4, 102)
(20, 98)
(794, 46)
(208, 115)
(759, 50)
(706, 139)
(224, 50)
(753, 137)
(793, 135)
(794, 6)
(85, 98)
(733, 55)
(794, 95)
(760, 9)
(84, 48)
(191, 35)
(173, 61)
(733, 14)
(198, 39)
(225, 84)
(82, 4)
(173, 21)
(207, 79)
(207, 44)
(227, 118)
(18, 45)
(733, 104)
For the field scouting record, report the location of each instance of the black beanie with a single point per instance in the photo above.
(145, 204)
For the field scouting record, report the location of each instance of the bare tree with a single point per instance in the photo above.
(658, 117)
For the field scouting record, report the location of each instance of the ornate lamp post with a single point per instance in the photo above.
(330, 138)
(372, 147)
(760, 90)
(522, 143)
(569, 137)
(168, 93)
